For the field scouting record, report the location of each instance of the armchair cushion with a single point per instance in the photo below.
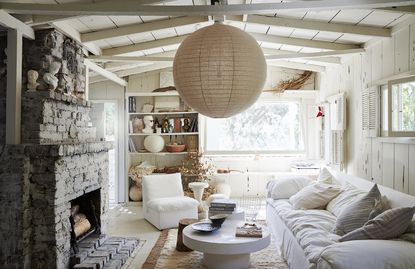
(172, 203)
(161, 186)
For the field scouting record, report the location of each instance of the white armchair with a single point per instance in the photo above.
(164, 203)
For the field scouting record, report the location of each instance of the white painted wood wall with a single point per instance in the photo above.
(387, 161)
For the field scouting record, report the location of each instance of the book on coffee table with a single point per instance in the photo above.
(249, 230)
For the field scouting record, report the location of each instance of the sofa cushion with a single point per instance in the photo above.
(311, 228)
(390, 224)
(316, 195)
(172, 203)
(345, 198)
(356, 214)
(284, 188)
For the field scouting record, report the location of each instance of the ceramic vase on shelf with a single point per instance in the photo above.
(154, 143)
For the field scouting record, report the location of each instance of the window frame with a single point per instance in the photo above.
(390, 132)
(265, 98)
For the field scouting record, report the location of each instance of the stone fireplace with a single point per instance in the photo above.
(59, 160)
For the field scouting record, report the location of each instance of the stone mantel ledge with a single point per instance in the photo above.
(70, 99)
(59, 150)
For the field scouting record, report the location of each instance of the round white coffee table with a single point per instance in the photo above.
(221, 249)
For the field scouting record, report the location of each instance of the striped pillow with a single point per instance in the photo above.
(390, 224)
(357, 213)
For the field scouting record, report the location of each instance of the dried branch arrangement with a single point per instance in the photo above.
(292, 84)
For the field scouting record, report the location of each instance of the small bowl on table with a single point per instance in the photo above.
(175, 148)
(218, 219)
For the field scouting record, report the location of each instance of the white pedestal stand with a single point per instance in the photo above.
(198, 188)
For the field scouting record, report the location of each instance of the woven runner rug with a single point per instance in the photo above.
(164, 256)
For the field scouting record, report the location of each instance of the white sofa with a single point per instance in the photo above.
(305, 239)
(164, 203)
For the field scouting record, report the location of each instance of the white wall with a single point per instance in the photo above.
(384, 59)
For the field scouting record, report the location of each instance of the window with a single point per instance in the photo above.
(268, 127)
(401, 107)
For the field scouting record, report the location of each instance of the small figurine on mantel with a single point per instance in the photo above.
(50, 77)
(32, 76)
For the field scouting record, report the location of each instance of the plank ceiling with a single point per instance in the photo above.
(360, 17)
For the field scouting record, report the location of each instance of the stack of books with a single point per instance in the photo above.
(222, 206)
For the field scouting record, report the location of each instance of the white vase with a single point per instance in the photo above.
(154, 143)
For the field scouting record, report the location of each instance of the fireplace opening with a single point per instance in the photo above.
(85, 217)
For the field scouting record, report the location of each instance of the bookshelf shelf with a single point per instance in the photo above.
(183, 128)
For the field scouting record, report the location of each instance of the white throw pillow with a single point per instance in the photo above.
(349, 194)
(325, 176)
(284, 188)
(316, 195)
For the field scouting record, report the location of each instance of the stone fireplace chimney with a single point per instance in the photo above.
(58, 161)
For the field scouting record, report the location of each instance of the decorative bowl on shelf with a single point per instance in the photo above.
(218, 219)
(175, 148)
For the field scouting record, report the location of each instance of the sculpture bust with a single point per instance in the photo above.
(148, 124)
(32, 76)
(50, 77)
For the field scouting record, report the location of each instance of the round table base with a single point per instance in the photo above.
(217, 261)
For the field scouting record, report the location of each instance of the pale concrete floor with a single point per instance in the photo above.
(127, 220)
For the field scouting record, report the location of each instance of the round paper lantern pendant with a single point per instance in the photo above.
(219, 70)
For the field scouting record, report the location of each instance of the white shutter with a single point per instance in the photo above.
(371, 112)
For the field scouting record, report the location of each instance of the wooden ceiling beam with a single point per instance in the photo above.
(141, 28)
(105, 73)
(300, 42)
(300, 66)
(134, 8)
(320, 26)
(10, 22)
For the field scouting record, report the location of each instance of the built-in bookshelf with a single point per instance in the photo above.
(173, 121)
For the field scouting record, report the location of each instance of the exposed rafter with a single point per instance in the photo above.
(75, 35)
(105, 73)
(134, 8)
(300, 42)
(10, 22)
(126, 59)
(314, 54)
(301, 66)
(320, 26)
(144, 45)
(141, 28)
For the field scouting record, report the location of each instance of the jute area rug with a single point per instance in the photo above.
(164, 256)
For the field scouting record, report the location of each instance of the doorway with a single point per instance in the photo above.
(104, 116)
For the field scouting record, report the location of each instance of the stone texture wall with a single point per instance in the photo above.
(51, 117)
(52, 46)
(39, 182)
(3, 89)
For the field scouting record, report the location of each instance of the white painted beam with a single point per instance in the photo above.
(300, 42)
(145, 45)
(141, 28)
(126, 59)
(14, 86)
(75, 35)
(300, 66)
(320, 26)
(134, 8)
(105, 73)
(144, 69)
(313, 54)
(10, 22)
